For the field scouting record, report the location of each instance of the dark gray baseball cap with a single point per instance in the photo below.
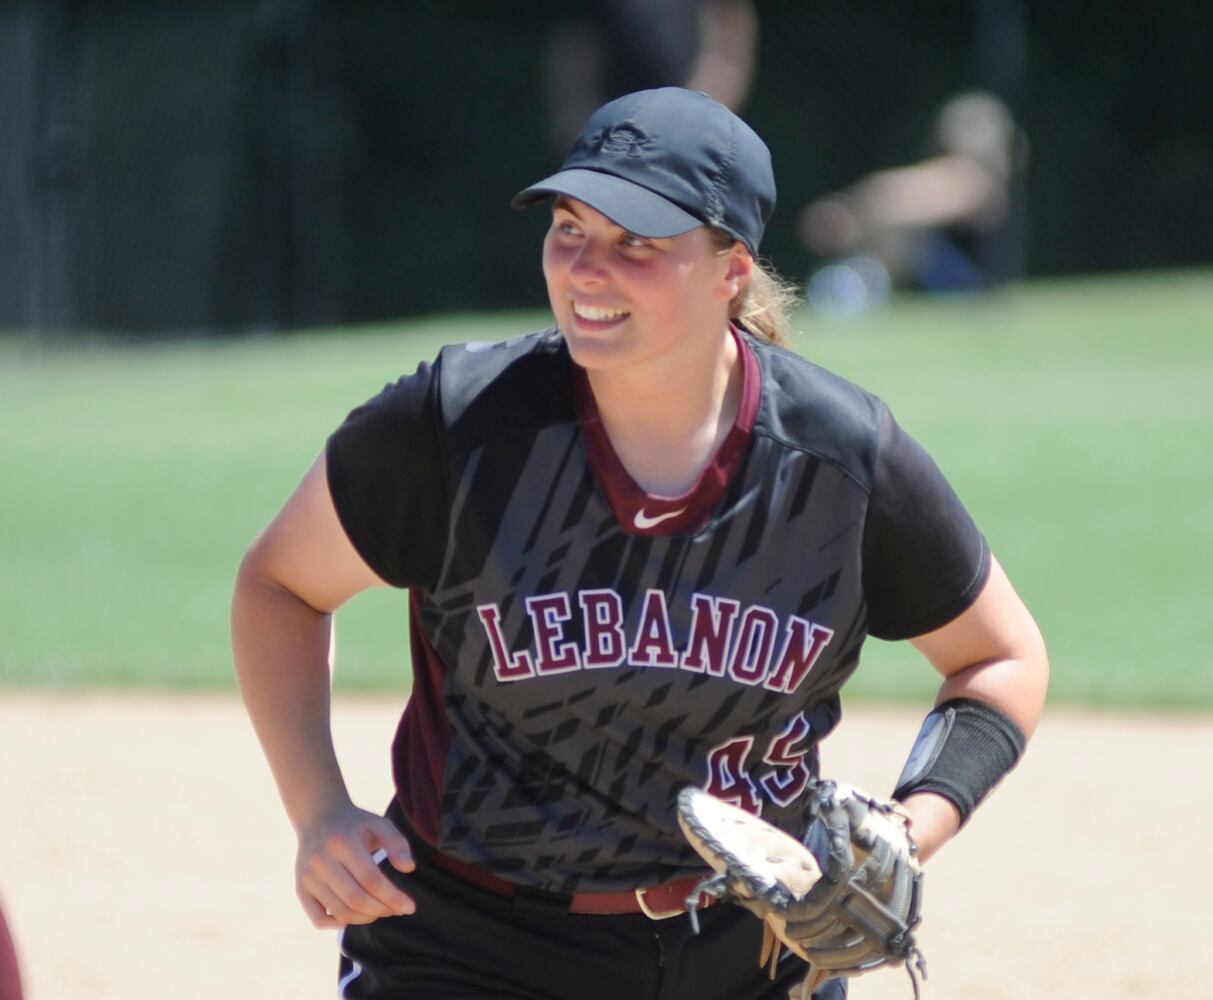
(662, 162)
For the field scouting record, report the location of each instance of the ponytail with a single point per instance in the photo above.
(765, 305)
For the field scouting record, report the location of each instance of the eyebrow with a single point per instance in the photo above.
(563, 202)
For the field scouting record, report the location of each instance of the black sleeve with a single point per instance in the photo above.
(924, 560)
(387, 479)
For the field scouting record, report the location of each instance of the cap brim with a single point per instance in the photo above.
(636, 209)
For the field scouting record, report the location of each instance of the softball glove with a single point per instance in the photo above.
(850, 912)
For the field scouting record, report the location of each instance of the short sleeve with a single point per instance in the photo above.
(387, 479)
(924, 559)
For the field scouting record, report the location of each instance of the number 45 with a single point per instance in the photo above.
(729, 777)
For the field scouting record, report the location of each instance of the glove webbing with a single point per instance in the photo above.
(839, 908)
(871, 918)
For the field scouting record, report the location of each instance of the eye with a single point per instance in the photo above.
(632, 241)
(565, 227)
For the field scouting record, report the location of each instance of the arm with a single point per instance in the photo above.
(994, 653)
(936, 192)
(292, 579)
(940, 191)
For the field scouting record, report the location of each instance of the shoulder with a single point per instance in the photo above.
(504, 388)
(809, 408)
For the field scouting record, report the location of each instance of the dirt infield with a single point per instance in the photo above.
(143, 855)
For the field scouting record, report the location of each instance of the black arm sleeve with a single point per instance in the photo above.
(924, 560)
(387, 478)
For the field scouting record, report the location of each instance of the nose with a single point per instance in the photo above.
(588, 265)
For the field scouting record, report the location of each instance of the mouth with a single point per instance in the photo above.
(598, 315)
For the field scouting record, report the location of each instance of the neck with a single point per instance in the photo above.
(666, 421)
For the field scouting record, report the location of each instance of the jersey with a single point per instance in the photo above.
(582, 650)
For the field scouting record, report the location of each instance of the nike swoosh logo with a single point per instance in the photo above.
(644, 522)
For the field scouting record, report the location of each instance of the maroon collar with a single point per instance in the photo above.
(641, 513)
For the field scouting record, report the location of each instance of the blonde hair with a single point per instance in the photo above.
(765, 305)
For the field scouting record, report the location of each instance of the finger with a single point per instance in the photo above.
(374, 882)
(393, 844)
(320, 917)
(357, 880)
(343, 901)
(325, 877)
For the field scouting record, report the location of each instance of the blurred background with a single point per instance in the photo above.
(269, 164)
(225, 224)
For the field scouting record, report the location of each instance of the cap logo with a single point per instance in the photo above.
(618, 140)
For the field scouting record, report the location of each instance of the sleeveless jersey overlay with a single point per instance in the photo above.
(582, 651)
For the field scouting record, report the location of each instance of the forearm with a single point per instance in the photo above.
(281, 647)
(1015, 687)
(1014, 684)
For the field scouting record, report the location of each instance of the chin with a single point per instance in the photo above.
(593, 352)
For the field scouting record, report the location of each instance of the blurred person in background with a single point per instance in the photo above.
(945, 224)
(614, 47)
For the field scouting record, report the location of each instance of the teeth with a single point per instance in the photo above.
(599, 313)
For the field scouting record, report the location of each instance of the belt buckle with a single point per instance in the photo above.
(651, 914)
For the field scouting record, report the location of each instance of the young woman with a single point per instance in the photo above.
(643, 549)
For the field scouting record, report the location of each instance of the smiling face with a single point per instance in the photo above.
(622, 299)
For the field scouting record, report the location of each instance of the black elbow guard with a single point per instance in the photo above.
(964, 749)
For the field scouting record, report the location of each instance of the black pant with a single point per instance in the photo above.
(465, 942)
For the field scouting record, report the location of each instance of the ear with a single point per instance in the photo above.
(737, 274)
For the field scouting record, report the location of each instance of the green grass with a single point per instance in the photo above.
(1075, 419)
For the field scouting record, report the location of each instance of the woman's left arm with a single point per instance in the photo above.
(992, 653)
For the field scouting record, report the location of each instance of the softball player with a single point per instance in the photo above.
(10, 968)
(643, 549)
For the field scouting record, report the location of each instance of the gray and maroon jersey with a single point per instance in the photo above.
(582, 650)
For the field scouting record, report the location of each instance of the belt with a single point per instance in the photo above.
(656, 902)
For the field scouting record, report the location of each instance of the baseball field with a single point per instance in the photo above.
(142, 850)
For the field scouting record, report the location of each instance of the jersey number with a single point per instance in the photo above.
(787, 775)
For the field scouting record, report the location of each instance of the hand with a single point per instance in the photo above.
(336, 877)
(831, 225)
